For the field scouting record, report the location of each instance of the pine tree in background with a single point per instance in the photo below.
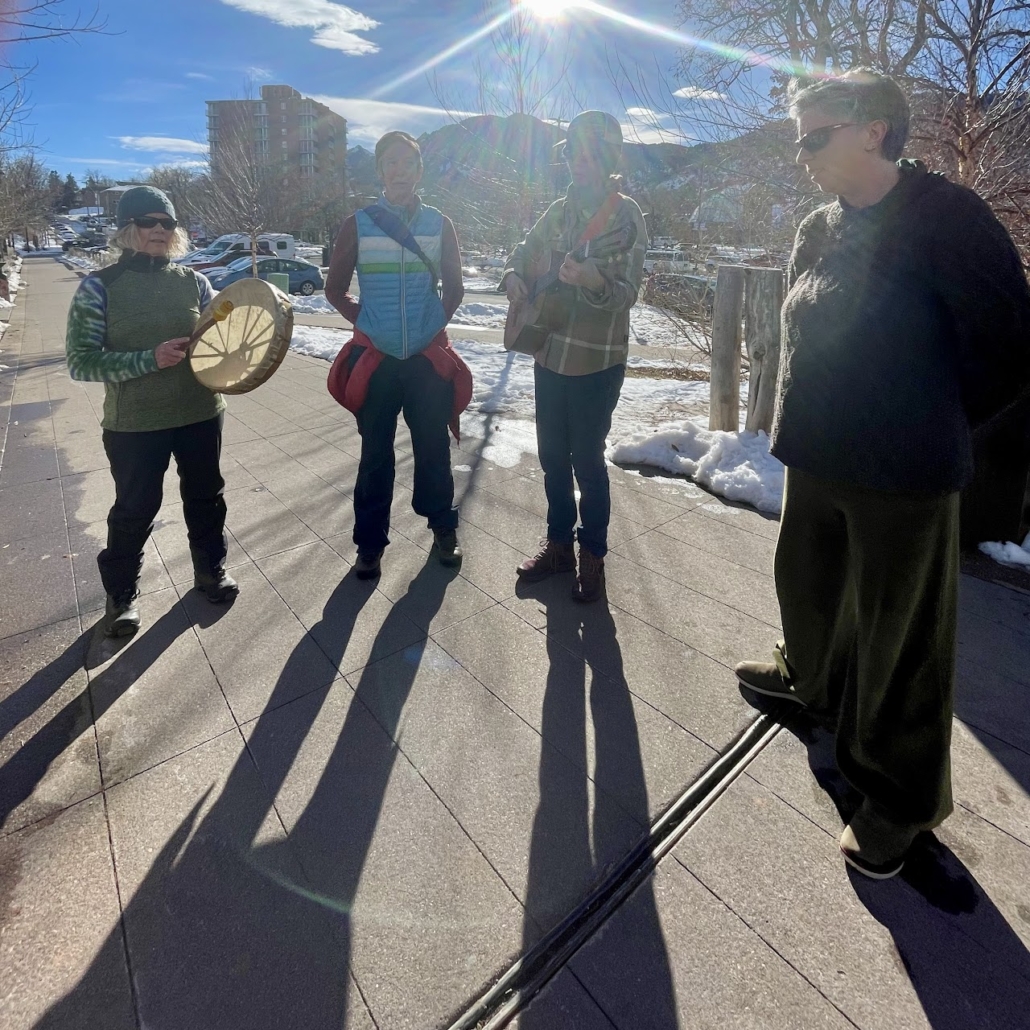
(69, 194)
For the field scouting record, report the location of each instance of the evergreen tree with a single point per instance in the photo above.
(55, 190)
(69, 194)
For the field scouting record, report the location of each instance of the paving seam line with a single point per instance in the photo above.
(530, 973)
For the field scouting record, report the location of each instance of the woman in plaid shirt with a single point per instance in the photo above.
(580, 368)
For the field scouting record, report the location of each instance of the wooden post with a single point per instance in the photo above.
(763, 300)
(724, 405)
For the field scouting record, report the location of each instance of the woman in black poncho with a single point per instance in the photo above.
(906, 323)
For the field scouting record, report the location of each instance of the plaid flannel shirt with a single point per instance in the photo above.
(596, 333)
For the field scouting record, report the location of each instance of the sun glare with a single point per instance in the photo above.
(549, 9)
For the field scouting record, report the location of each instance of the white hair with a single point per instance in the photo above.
(127, 238)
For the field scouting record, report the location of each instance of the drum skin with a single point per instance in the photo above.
(241, 351)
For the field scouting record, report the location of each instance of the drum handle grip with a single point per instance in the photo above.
(219, 314)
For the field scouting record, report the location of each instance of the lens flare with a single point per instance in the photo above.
(444, 55)
(748, 57)
(548, 10)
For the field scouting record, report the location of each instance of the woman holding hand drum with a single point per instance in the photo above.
(129, 327)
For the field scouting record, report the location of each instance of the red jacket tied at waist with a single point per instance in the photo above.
(349, 385)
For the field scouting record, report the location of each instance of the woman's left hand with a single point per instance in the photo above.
(581, 273)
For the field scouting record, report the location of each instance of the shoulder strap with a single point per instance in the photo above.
(400, 233)
(600, 219)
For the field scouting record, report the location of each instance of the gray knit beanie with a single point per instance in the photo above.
(141, 201)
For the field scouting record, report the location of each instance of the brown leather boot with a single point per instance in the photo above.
(552, 558)
(590, 581)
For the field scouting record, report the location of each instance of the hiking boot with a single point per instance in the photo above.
(874, 845)
(765, 678)
(446, 548)
(367, 564)
(121, 616)
(217, 585)
(590, 581)
(552, 558)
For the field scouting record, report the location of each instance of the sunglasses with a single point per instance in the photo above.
(818, 138)
(168, 224)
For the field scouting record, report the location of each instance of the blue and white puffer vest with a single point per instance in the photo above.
(400, 310)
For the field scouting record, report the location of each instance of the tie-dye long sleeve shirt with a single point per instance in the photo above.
(88, 360)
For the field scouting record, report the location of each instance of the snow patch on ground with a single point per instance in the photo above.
(490, 316)
(738, 466)
(652, 327)
(314, 305)
(80, 262)
(1009, 553)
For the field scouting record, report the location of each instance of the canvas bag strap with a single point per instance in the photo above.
(400, 233)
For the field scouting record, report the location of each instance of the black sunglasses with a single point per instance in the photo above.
(168, 224)
(818, 138)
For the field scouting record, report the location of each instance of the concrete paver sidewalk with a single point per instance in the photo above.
(347, 804)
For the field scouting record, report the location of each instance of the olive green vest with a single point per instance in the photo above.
(150, 300)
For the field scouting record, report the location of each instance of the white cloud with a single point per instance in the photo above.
(367, 120)
(333, 23)
(89, 162)
(646, 126)
(164, 144)
(200, 75)
(258, 74)
(199, 165)
(697, 93)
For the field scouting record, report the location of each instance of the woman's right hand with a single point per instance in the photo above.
(515, 288)
(171, 352)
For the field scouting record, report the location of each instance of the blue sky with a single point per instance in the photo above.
(125, 101)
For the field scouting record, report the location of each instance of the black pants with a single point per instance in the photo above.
(138, 464)
(573, 417)
(411, 386)
(868, 588)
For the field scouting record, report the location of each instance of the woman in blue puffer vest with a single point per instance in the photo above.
(400, 352)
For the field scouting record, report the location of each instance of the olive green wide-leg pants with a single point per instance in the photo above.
(868, 588)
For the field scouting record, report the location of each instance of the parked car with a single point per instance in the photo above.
(85, 241)
(304, 278)
(225, 248)
(232, 255)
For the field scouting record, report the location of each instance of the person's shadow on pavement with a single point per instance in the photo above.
(966, 964)
(235, 925)
(575, 844)
(26, 768)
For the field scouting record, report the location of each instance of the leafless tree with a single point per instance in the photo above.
(965, 64)
(24, 195)
(27, 21)
(246, 191)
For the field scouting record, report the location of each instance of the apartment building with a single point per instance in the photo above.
(300, 135)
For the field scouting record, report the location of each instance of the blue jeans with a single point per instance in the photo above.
(573, 417)
(411, 386)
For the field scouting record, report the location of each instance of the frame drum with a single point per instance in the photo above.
(242, 350)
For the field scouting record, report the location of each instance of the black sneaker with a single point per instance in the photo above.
(218, 585)
(446, 548)
(121, 616)
(764, 678)
(367, 564)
